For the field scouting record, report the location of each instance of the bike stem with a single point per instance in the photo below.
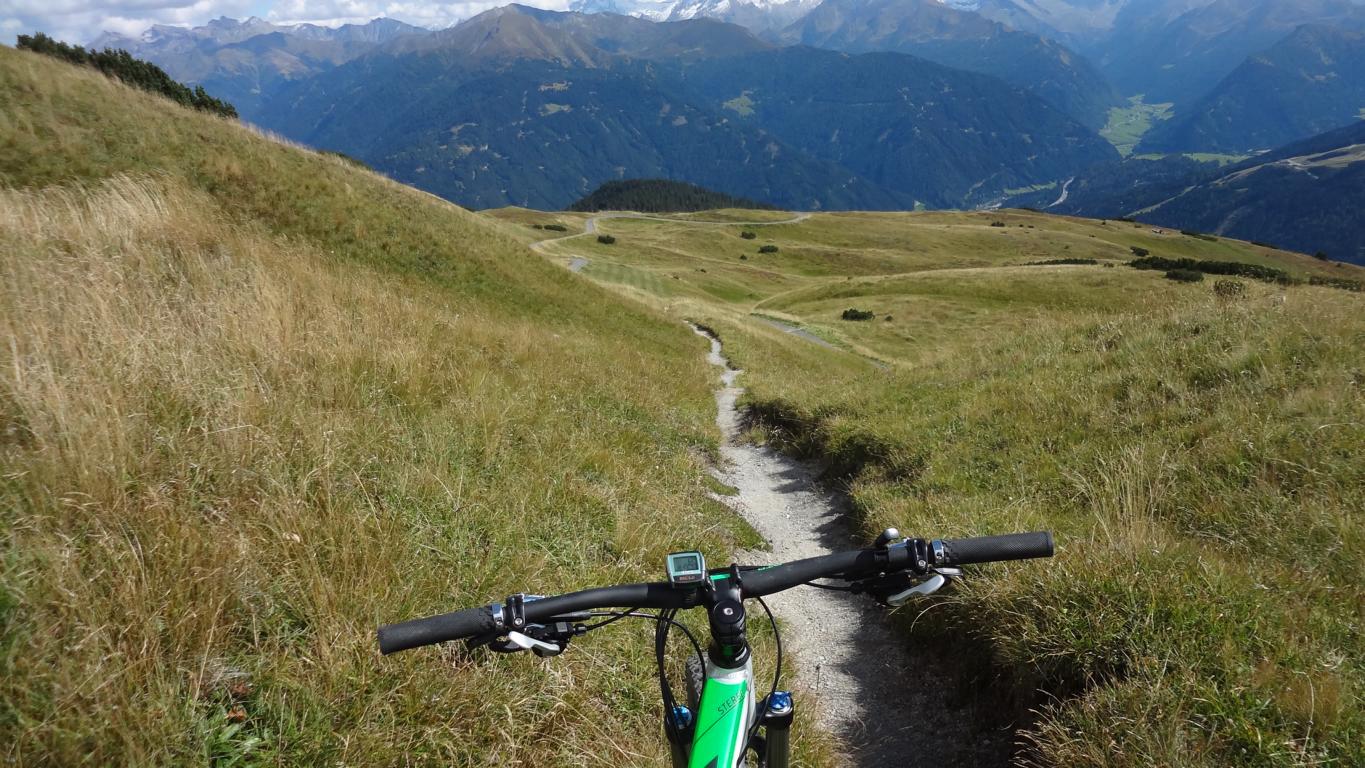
(729, 638)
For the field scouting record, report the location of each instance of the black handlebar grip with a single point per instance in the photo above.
(436, 629)
(990, 549)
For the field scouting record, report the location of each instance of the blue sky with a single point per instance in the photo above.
(80, 21)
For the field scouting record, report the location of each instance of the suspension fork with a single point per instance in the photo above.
(778, 711)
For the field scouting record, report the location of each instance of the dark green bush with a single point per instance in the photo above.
(1237, 268)
(606, 239)
(1337, 282)
(556, 228)
(857, 314)
(1139, 251)
(1050, 262)
(767, 249)
(1185, 276)
(997, 223)
(1320, 256)
(747, 235)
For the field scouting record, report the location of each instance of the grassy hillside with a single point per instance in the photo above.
(257, 401)
(1200, 456)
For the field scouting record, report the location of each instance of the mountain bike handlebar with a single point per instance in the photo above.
(910, 554)
(993, 549)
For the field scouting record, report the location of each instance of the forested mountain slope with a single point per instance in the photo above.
(1306, 196)
(962, 40)
(1309, 83)
(245, 62)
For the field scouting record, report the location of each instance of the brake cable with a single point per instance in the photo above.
(777, 676)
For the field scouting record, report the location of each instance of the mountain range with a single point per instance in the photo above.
(536, 108)
(963, 40)
(1308, 83)
(1176, 50)
(246, 61)
(762, 16)
(870, 104)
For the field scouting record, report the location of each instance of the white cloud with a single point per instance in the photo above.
(423, 14)
(80, 21)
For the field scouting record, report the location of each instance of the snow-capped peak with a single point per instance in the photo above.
(772, 14)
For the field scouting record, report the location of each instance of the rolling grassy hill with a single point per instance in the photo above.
(1198, 451)
(257, 401)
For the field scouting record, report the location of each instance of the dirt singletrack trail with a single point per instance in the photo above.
(889, 703)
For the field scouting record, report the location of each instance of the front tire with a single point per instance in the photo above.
(695, 673)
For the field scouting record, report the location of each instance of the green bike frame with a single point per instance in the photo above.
(723, 717)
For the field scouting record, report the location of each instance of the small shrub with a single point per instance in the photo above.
(556, 227)
(1139, 251)
(606, 239)
(1229, 289)
(1320, 256)
(887, 318)
(997, 223)
(856, 314)
(767, 249)
(744, 257)
(1185, 276)
(747, 235)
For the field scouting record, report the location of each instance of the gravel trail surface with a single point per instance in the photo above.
(887, 701)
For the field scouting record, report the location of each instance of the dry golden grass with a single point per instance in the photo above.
(255, 401)
(226, 461)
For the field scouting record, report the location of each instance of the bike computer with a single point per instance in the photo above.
(686, 569)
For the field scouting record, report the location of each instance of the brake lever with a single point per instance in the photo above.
(935, 581)
(541, 639)
(539, 647)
